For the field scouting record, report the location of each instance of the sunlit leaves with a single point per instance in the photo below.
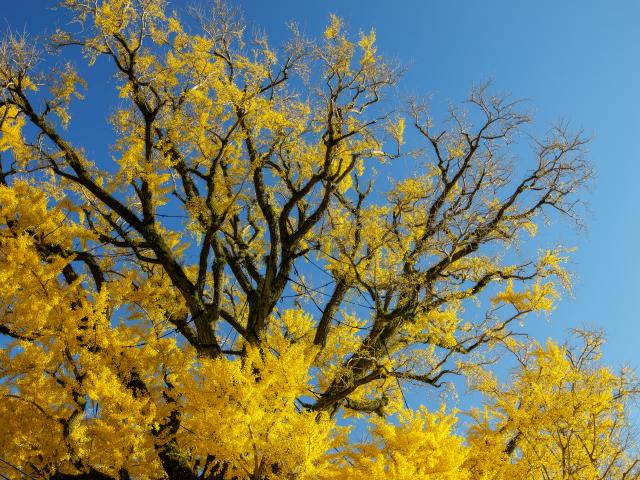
(160, 297)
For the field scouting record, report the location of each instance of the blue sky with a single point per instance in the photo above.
(575, 60)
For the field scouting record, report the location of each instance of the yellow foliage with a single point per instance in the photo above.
(334, 27)
(222, 294)
(562, 416)
(421, 445)
(540, 296)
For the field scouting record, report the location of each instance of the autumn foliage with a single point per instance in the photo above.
(229, 291)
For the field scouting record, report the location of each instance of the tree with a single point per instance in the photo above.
(155, 300)
(563, 416)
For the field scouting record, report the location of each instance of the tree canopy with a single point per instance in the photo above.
(228, 289)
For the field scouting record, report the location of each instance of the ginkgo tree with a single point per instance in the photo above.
(158, 308)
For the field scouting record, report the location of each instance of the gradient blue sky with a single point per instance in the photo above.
(574, 60)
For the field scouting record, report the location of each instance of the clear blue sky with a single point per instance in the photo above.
(575, 60)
